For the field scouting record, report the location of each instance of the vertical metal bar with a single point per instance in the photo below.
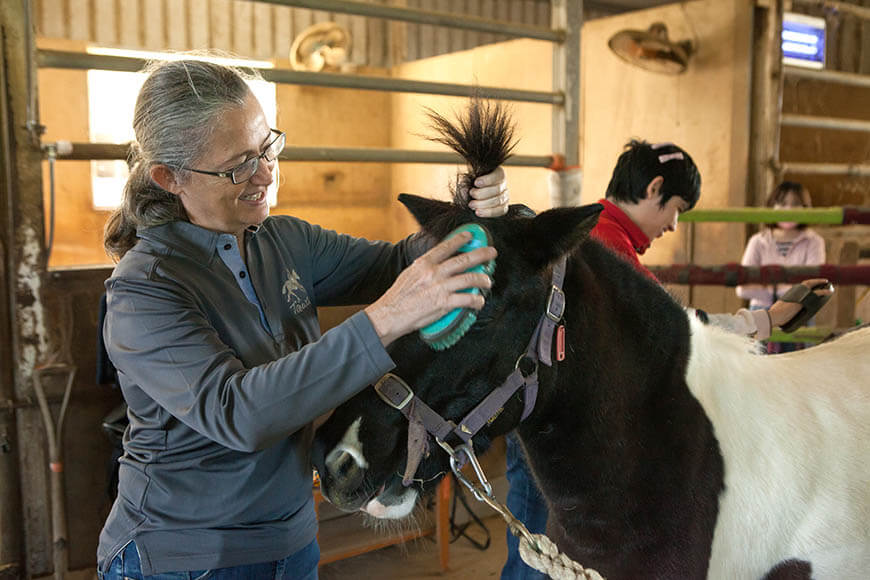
(11, 522)
(567, 15)
(774, 97)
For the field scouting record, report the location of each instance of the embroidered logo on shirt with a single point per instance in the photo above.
(295, 292)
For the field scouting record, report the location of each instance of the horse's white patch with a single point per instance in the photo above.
(393, 512)
(794, 433)
(351, 445)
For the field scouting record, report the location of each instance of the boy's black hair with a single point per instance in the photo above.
(642, 162)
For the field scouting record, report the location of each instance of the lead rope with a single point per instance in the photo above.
(553, 563)
(536, 550)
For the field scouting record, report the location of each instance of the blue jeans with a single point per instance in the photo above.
(299, 566)
(525, 501)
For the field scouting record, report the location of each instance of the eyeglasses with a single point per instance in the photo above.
(246, 170)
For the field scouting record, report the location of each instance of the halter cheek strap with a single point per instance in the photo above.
(424, 421)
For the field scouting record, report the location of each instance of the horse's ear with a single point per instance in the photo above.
(425, 210)
(558, 231)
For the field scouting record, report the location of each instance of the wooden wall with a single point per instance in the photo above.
(260, 30)
(705, 110)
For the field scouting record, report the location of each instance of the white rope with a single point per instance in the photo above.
(536, 550)
(550, 561)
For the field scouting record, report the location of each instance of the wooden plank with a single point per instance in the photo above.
(425, 37)
(241, 27)
(442, 521)
(487, 10)
(220, 36)
(129, 30)
(198, 23)
(503, 12)
(105, 26)
(282, 31)
(474, 8)
(153, 25)
(79, 19)
(321, 16)
(529, 11)
(51, 19)
(442, 33)
(176, 25)
(458, 36)
(543, 14)
(358, 27)
(302, 19)
(262, 30)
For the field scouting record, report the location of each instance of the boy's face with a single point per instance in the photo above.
(653, 219)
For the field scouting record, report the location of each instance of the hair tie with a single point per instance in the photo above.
(670, 156)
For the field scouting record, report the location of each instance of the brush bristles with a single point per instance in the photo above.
(469, 317)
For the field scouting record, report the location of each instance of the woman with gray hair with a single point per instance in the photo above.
(212, 324)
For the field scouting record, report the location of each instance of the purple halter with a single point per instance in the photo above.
(423, 421)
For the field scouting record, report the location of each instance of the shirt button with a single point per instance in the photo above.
(242, 274)
(228, 246)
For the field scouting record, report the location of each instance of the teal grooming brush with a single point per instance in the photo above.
(447, 330)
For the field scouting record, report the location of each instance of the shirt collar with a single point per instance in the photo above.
(184, 238)
(639, 240)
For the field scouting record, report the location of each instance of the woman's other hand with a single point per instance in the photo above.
(489, 196)
(430, 288)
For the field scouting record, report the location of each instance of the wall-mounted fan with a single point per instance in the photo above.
(324, 46)
(652, 49)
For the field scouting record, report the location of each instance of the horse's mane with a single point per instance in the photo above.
(483, 135)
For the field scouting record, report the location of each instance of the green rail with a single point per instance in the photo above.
(805, 334)
(764, 215)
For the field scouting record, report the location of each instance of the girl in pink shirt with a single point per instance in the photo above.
(783, 243)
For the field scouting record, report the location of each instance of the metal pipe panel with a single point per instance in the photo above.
(835, 123)
(766, 215)
(831, 76)
(827, 169)
(462, 21)
(103, 151)
(735, 274)
(78, 60)
(843, 7)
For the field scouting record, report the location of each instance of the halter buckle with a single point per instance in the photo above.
(394, 398)
(555, 308)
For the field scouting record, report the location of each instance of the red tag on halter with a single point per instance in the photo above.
(560, 343)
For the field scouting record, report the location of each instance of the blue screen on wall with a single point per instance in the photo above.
(803, 40)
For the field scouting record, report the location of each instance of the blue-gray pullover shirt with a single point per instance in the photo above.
(223, 368)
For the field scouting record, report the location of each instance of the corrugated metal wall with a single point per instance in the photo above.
(258, 30)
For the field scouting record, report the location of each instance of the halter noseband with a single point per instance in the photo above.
(423, 421)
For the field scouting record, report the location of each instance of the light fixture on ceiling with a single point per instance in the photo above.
(652, 49)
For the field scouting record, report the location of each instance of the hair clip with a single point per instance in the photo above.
(655, 146)
(670, 156)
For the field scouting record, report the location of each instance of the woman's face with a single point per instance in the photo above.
(790, 200)
(216, 203)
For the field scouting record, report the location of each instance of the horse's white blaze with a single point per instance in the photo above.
(794, 433)
(351, 445)
(393, 512)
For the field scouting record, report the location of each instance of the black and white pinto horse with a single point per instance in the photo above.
(665, 447)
